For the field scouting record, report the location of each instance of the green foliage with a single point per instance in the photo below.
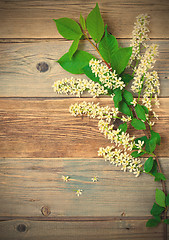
(117, 96)
(138, 124)
(82, 22)
(148, 164)
(144, 138)
(166, 221)
(76, 64)
(73, 47)
(159, 176)
(123, 127)
(145, 109)
(140, 112)
(153, 222)
(88, 72)
(150, 145)
(167, 200)
(120, 59)
(123, 107)
(156, 137)
(95, 24)
(156, 210)
(68, 28)
(126, 78)
(135, 154)
(107, 46)
(128, 97)
(160, 197)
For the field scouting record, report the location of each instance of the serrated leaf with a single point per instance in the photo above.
(160, 197)
(75, 65)
(152, 222)
(138, 124)
(123, 127)
(166, 221)
(148, 164)
(135, 154)
(68, 28)
(156, 210)
(73, 47)
(120, 59)
(156, 136)
(140, 112)
(95, 24)
(167, 200)
(128, 96)
(123, 107)
(117, 97)
(88, 72)
(82, 22)
(107, 46)
(159, 176)
(150, 145)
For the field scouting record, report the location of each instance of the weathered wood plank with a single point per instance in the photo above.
(19, 76)
(108, 230)
(33, 19)
(45, 128)
(27, 185)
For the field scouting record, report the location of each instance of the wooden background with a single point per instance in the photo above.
(40, 141)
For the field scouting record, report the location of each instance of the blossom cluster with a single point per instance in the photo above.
(139, 35)
(123, 159)
(76, 87)
(108, 78)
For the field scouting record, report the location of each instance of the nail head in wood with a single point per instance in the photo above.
(42, 67)
(21, 228)
(45, 211)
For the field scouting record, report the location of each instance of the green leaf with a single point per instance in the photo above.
(123, 127)
(128, 96)
(150, 145)
(107, 46)
(135, 154)
(160, 197)
(75, 65)
(140, 112)
(138, 124)
(166, 221)
(126, 78)
(145, 109)
(167, 200)
(68, 28)
(123, 107)
(153, 222)
(156, 210)
(154, 168)
(159, 176)
(156, 136)
(144, 138)
(148, 164)
(120, 59)
(95, 24)
(73, 47)
(117, 97)
(82, 22)
(88, 72)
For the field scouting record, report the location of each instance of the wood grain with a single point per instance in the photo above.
(27, 185)
(19, 76)
(107, 230)
(45, 128)
(33, 19)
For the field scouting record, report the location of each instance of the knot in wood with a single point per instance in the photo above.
(21, 228)
(45, 211)
(42, 67)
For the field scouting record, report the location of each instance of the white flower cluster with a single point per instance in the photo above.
(106, 77)
(123, 159)
(76, 87)
(93, 110)
(139, 145)
(139, 35)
